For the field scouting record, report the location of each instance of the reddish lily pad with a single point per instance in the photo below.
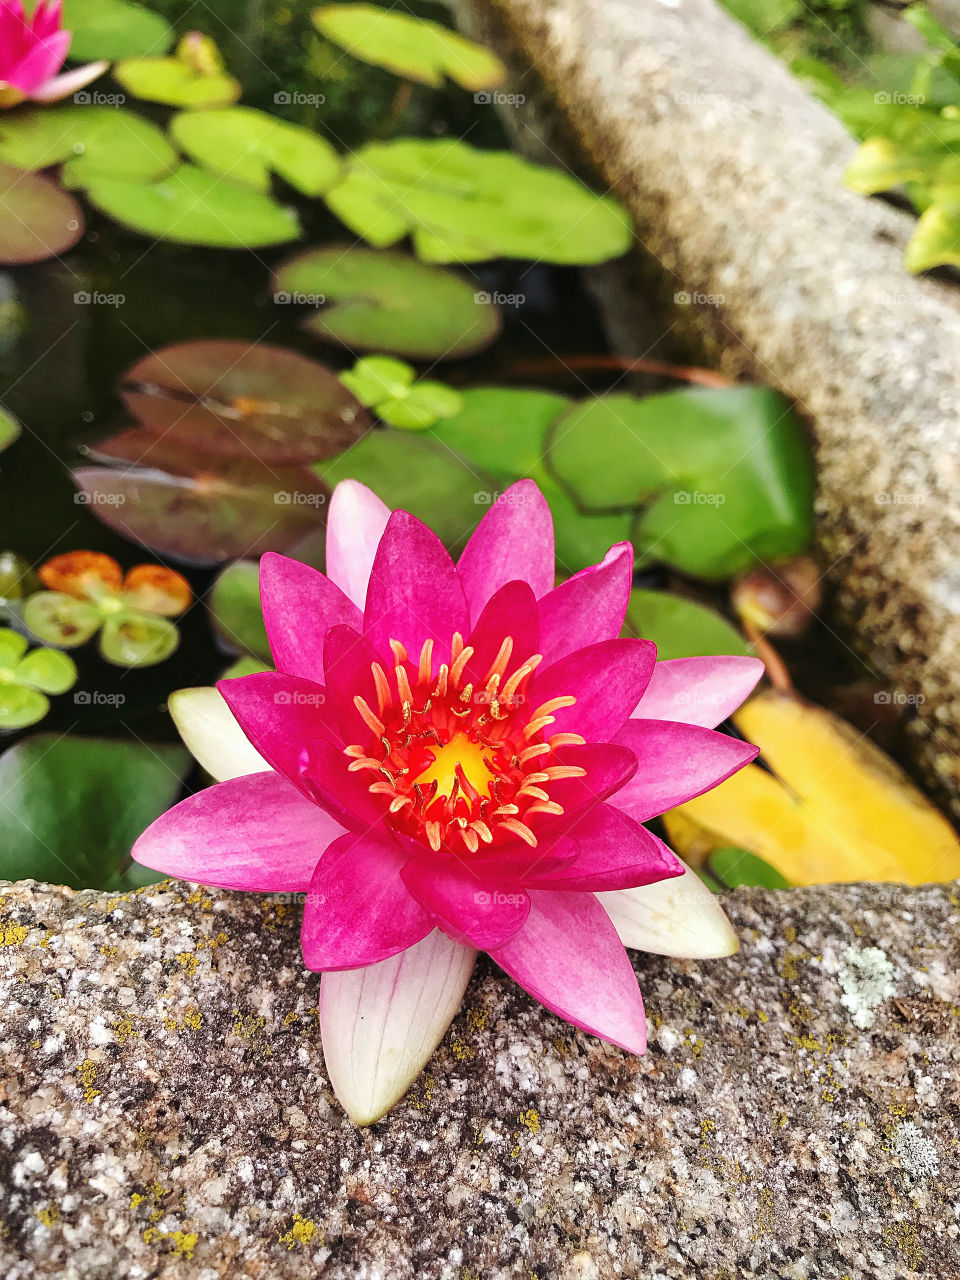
(232, 399)
(88, 575)
(37, 219)
(204, 519)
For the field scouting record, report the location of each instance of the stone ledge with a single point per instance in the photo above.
(165, 1111)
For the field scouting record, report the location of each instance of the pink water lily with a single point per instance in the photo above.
(453, 758)
(32, 51)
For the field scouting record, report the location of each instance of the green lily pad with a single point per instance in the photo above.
(388, 302)
(9, 427)
(134, 639)
(25, 679)
(389, 387)
(717, 478)
(61, 620)
(734, 867)
(20, 707)
(47, 671)
(37, 221)
(936, 240)
(244, 667)
(680, 628)
(89, 141)
(194, 206)
(414, 48)
(235, 610)
(12, 648)
(238, 510)
(17, 578)
(111, 29)
(231, 399)
(193, 77)
(465, 205)
(72, 807)
(249, 145)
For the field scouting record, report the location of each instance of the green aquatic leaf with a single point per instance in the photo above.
(195, 206)
(12, 648)
(112, 29)
(734, 867)
(37, 221)
(235, 610)
(680, 628)
(465, 205)
(193, 77)
(89, 141)
(20, 707)
(249, 145)
(244, 667)
(61, 620)
(414, 48)
(502, 430)
(47, 671)
(25, 679)
(717, 479)
(389, 388)
(936, 240)
(134, 639)
(883, 163)
(9, 427)
(74, 806)
(379, 301)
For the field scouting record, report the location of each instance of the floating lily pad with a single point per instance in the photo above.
(388, 302)
(60, 619)
(193, 77)
(231, 399)
(680, 628)
(37, 221)
(414, 48)
(47, 670)
(249, 145)
(135, 639)
(195, 206)
(89, 141)
(235, 610)
(734, 867)
(17, 578)
(27, 678)
(72, 807)
(112, 29)
(465, 205)
(389, 387)
(204, 519)
(9, 427)
(718, 478)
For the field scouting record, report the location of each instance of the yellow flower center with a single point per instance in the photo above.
(472, 758)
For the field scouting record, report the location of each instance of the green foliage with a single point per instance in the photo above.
(411, 47)
(112, 29)
(9, 429)
(235, 610)
(89, 141)
(249, 145)
(27, 678)
(193, 77)
(733, 867)
(680, 628)
(389, 387)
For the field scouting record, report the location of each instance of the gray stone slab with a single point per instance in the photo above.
(164, 1110)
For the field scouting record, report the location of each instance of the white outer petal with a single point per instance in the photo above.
(355, 524)
(214, 738)
(380, 1025)
(59, 87)
(678, 917)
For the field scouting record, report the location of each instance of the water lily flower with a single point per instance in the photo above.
(32, 51)
(454, 758)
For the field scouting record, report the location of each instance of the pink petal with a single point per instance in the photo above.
(700, 691)
(589, 607)
(47, 18)
(467, 910)
(607, 767)
(300, 605)
(414, 592)
(280, 715)
(381, 1024)
(569, 956)
(616, 853)
(607, 680)
(256, 832)
(511, 611)
(355, 524)
(358, 910)
(61, 87)
(40, 62)
(348, 662)
(325, 777)
(514, 540)
(676, 762)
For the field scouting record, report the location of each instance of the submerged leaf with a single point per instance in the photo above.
(9, 428)
(235, 609)
(37, 221)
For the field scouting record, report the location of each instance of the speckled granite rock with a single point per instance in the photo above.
(734, 175)
(165, 1111)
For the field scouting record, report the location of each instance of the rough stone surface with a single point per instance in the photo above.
(735, 178)
(165, 1111)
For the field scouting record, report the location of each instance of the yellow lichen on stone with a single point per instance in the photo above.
(301, 1231)
(110, 952)
(49, 1215)
(905, 1237)
(87, 1075)
(530, 1120)
(201, 898)
(476, 1019)
(188, 960)
(461, 1050)
(124, 1029)
(12, 935)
